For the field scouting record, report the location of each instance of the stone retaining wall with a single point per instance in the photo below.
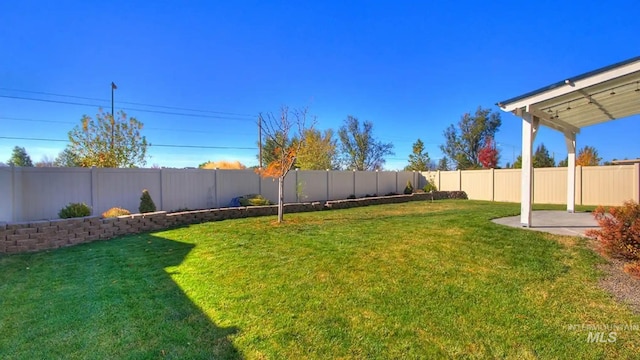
(52, 234)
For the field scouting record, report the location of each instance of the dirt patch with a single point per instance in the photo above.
(623, 286)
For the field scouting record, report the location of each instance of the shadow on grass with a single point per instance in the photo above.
(113, 299)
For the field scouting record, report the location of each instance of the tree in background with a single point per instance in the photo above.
(279, 129)
(360, 150)
(540, 159)
(443, 164)
(488, 154)
(588, 156)
(270, 147)
(234, 165)
(46, 162)
(419, 159)
(19, 157)
(318, 151)
(463, 143)
(108, 141)
(67, 158)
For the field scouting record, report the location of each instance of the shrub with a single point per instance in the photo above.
(429, 187)
(253, 200)
(633, 269)
(352, 196)
(409, 188)
(146, 203)
(74, 210)
(619, 233)
(115, 212)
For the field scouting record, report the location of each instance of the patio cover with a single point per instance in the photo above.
(605, 94)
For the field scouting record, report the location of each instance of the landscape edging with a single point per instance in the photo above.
(52, 234)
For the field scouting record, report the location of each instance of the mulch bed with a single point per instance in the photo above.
(621, 285)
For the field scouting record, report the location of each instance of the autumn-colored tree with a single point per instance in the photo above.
(233, 165)
(588, 156)
(488, 154)
(279, 129)
(108, 141)
(269, 148)
(318, 151)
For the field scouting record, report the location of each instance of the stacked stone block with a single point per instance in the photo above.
(52, 234)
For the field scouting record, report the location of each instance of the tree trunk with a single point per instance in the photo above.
(280, 199)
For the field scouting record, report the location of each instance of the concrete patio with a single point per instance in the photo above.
(554, 222)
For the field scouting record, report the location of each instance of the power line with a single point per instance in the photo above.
(35, 139)
(152, 145)
(36, 120)
(130, 103)
(145, 128)
(128, 109)
(203, 147)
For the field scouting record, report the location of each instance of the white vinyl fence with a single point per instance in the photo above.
(39, 193)
(28, 194)
(595, 185)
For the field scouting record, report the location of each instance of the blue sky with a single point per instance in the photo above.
(412, 68)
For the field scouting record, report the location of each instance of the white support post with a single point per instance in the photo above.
(570, 140)
(529, 130)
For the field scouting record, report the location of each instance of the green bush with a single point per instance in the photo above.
(253, 200)
(430, 187)
(409, 188)
(146, 203)
(115, 212)
(74, 210)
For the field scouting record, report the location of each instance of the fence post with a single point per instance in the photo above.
(94, 189)
(13, 193)
(328, 185)
(297, 189)
(578, 194)
(162, 190)
(377, 180)
(439, 184)
(354, 183)
(459, 180)
(397, 192)
(215, 187)
(493, 184)
(415, 183)
(636, 182)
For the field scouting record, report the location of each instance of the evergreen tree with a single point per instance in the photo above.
(419, 159)
(19, 157)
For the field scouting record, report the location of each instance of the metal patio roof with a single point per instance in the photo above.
(605, 94)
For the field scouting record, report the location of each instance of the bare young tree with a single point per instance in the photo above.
(277, 129)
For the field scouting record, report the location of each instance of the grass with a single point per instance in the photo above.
(414, 280)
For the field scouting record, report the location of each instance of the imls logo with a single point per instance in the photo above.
(601, 337)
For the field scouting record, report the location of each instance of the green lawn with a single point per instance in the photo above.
(413, 280)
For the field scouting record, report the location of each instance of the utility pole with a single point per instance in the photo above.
(113, 117)
(260, 141)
